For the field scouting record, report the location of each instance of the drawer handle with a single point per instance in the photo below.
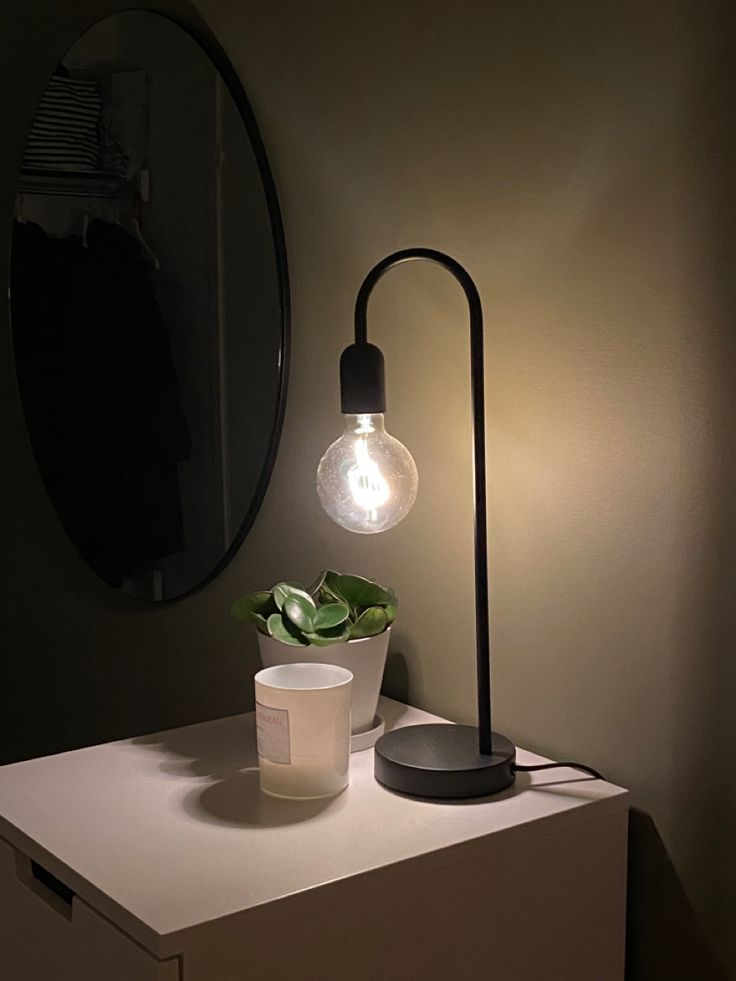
(56, 886)
(45, 885)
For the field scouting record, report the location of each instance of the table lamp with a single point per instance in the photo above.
(367, 482)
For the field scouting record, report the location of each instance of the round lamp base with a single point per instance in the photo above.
(442, 761)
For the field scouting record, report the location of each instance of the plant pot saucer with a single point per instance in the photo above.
(367, 739)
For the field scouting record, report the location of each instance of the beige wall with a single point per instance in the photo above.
(573, 156)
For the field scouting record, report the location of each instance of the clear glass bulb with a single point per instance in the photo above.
(367, 480)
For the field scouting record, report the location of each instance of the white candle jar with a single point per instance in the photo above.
(303, 729)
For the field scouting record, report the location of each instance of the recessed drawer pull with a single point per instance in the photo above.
(57, 887)
(45, 885)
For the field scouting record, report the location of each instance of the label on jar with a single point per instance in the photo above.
(272, 728)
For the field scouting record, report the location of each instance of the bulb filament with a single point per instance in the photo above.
(367, 484)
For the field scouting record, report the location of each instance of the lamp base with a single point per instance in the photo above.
(442, 761)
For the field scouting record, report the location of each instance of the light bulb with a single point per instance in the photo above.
(367, 480)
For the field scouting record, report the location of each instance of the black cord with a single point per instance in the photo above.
(556, 766)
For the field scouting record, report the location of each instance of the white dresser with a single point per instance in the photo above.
(157, 859)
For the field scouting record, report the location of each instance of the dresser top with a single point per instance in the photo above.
(165, 832)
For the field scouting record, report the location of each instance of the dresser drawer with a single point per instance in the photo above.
(48, 934)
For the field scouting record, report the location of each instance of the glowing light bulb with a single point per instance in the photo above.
(367, 480)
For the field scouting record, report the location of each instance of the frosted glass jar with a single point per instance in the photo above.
(303, 728)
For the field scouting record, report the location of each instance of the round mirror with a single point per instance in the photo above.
(149, 304)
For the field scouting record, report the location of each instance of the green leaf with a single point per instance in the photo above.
(283, 589)
(327, 590)
(300, 609)
(330, 616)
(257, 619)
(253, 608)
(278, 629)
(360, 592)
(392, 607)
(334, 635)
(316, 586)
(371, 622)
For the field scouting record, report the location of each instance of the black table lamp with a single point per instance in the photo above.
(367, 482)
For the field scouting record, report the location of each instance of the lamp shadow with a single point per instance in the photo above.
(665, 941)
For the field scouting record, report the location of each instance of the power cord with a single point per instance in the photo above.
(556, 766)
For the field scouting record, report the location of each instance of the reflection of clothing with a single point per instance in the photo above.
(100, 394)
(65, 130)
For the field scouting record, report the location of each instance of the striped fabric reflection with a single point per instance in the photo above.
(65, 130)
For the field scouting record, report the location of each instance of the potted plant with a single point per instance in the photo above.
(339, 619)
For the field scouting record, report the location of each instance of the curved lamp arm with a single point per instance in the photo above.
(482, 629)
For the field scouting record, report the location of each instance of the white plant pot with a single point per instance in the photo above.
(366, 658)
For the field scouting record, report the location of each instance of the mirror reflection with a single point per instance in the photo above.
(148, 307)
